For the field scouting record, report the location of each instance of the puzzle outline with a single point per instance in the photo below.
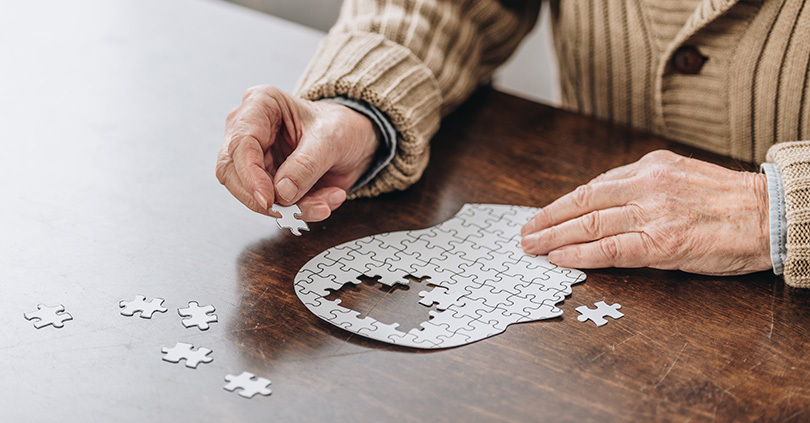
(471, 259)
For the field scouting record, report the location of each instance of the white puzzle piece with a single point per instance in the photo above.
(46, 315)
(290, 218)
(248, 385)
(187, 352)
(139, 305)
(598, 314)
(481, 279)
(196, 315)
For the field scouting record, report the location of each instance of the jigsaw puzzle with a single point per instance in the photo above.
(45, 315)
(197, 316)
(290, 218)
(140, 305)
(248, 384)
(598, 314)
(482, 280)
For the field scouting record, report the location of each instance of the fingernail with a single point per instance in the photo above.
(530, 239)
(320, 212)
(286, 189)
(336, 198)
(260, 199)
(529, 242)
(556, 256)
(527, 228)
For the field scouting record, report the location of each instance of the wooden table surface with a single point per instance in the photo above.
(111, 113)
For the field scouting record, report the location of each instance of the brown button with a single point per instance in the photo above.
(688, 60)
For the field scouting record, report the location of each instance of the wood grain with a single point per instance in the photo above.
(690, 348)
(111, 114)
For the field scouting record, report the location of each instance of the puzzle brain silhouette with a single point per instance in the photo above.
(481, 279)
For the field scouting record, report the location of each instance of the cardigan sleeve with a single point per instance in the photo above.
(793, 159)
(414, 61)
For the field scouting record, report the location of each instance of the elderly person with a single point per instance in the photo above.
(729, 76)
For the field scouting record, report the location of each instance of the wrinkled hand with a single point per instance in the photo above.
(283, 149)
(664, 211)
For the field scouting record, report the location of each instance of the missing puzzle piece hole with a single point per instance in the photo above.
(397, 303)
(373, 281)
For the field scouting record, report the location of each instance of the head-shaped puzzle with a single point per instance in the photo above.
(482, 280)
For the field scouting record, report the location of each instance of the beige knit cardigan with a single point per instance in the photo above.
(416, 60)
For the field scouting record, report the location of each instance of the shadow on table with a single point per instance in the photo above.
(272, 322)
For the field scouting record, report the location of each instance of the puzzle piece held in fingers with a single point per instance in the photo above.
(290, 218)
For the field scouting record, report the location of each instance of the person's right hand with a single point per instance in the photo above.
(284, 149)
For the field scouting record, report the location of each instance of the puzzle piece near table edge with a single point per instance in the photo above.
(248, 384)
(459, 271)
(290, 218)
(597, 315)
(46, 315)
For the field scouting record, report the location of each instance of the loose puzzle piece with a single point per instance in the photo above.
(481, 279)
(45, 315)
(290, 218)
(249, 384)
(598, 314)
(197, 316)
(140, 305)
(183, 351)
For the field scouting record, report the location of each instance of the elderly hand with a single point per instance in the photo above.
(664, 211)
(283, 149)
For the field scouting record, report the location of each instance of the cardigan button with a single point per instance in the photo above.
(688, 60)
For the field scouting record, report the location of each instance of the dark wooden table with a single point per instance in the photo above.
(110, 117)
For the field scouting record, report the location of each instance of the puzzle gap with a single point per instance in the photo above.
(387, 304)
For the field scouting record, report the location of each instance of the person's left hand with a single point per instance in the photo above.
(664, 211)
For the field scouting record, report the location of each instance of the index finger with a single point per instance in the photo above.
(583, 200)
(249, 160)
(250, 130)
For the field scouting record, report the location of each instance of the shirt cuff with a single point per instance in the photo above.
(388, 137)
(778, 220)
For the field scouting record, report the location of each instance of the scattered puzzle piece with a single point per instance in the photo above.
(290, 218)
(197, 316)
(481, 279)
(249, 384)
(45, 315)
(598, 314)
(140, 305)
(183, 351)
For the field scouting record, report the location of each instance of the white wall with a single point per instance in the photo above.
(318, 14)
(530, 73)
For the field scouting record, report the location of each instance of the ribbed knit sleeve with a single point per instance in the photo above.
(793, 159)
(415, 60)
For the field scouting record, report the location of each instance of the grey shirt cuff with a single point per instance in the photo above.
(388, 137)
(778, 220)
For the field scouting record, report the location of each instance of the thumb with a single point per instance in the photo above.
(301, 170)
